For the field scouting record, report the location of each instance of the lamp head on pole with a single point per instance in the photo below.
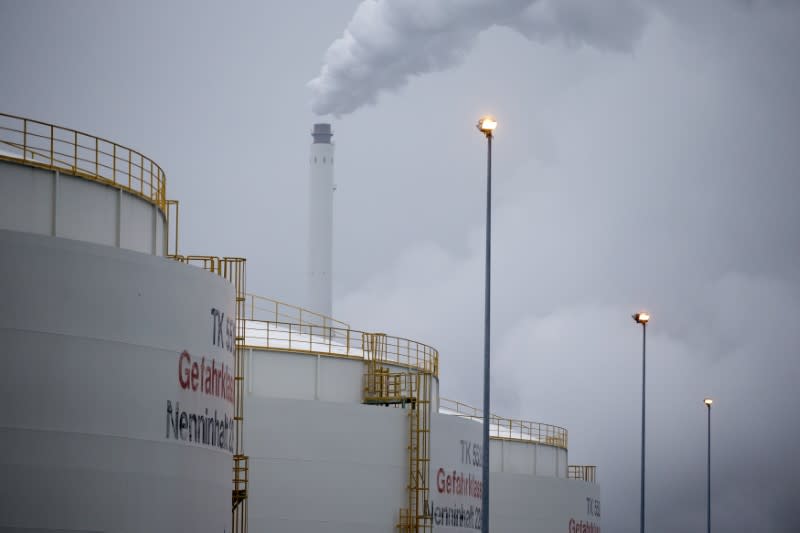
(487, 125)
(641, 318)
(708, 402)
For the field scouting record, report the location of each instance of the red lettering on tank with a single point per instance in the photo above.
(211, 379)
(183, 376)
(195, 375)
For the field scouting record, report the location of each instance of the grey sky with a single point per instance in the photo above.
(662, 176)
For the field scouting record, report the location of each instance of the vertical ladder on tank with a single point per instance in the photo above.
(410, 389)
(235, 272)
(416, 516)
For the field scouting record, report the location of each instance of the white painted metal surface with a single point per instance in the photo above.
(117, 415)
(300, 376)
(309, 376)
(325, 467)
(53, 203)
(540, 503)
(549, 501)
(455, 474)
(532, 458)
(320, 229)
(336, 465)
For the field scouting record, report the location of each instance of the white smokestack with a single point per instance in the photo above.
(320, 228)
(388, 41)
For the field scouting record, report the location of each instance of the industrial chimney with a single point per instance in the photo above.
(320, 224)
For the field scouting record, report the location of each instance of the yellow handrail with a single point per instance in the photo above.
(39, 144)
(586, 473)
(340, 342)
(502, 428)
(269, 310)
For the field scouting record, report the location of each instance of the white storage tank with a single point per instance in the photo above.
(117, 362)
(66, 183)
(320, 459)
(329, 453)
(532, 486)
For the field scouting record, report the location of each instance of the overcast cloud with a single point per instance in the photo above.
(646, 157)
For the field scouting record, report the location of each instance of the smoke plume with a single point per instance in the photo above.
(389, 41)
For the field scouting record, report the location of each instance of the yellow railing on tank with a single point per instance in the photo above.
(511, 429)
(586, 473)
(269, 310)
(340, 342)
(39, 144)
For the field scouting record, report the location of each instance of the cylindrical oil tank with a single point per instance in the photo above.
(320, 460)
(323, 461)
(117, 380)
(529, 489)
(117, 387)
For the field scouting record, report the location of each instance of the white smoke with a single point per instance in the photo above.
(388, 41)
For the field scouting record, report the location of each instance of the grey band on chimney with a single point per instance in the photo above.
(322, 134)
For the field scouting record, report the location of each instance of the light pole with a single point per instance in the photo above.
(708, 402)
(486, 125)
(642, 318)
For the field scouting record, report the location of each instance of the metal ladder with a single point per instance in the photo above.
(416, 516)
(410, 390)
(233, 270)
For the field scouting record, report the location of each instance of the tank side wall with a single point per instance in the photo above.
(455, 475)
(277, 374)
(325, 467)
(27, 195)
(44, 202)
(528, 458)
(533, 503)
(136, 219)
(87, 211)
(161, 224)
(341, 380)
(282, 375)
(547, 461)
(108, 425)
(518, 457)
